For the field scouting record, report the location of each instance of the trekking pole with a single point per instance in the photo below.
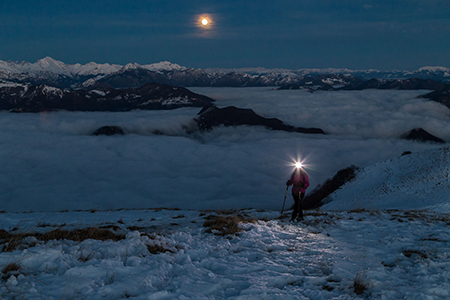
(285, 195)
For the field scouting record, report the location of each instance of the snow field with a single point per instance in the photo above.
(420, 180)
(398, 254)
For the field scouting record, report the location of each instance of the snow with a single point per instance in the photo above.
(164, 66)
(52, 90)
(416, 181)
(269, 259)
(101, 93)
(94, 69)
(434, 69)
(11, 85)
(130, 66)
(51, 65)
(52, 166)
(176, 101)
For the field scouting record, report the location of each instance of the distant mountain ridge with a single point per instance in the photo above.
(37, 98)
(55, 73)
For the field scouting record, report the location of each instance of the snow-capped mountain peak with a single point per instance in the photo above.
(164, 66)
(434, 69)
(131, 66)
(50, 65)
(93, 68)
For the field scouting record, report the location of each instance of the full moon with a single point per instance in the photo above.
(205, 22)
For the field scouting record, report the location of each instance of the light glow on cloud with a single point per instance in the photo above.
(50, 161)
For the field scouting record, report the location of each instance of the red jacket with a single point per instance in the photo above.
(300, 181)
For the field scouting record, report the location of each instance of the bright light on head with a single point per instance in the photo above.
(205, 22)
(298, 165)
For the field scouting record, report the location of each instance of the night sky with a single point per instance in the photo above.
(292, 34)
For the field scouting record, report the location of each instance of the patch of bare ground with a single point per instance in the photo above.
(10, 269)
(419, 215)
(156, 249)
(226, 225)
(12, 240)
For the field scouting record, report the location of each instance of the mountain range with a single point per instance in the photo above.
(55, 73)
(37, 98)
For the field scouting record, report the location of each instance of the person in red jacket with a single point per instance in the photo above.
(300, 182)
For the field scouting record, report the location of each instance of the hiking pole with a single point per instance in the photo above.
(285, 195)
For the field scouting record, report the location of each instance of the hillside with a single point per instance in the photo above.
(417, 181)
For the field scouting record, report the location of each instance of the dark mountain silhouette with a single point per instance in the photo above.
(213, 116)
(441, 95)
(22, 98)
(419, 134)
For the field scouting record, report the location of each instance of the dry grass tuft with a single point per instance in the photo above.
(179, 217)
(9, 270)
(228, 225)
(12, 267)
(358, 210)
(13, 240)
(155, 249)
(409, 252)
(361, 282)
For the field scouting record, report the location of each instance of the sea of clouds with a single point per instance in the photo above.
(51, 162)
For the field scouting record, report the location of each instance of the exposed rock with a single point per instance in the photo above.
(109, 130)
(441, 95)
(419, 134)
(210, 117)
(92, 84)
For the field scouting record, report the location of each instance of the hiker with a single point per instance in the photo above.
(300, 181)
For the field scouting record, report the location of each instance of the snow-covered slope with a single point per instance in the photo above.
(168, 254)
(417, 181)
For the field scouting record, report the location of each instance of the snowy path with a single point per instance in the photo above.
(397, 254)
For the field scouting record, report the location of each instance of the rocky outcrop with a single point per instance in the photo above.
(441, 95)
(109, 130)
(420, 135)
(232, 116)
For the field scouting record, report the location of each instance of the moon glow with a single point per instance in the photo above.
(205, 24)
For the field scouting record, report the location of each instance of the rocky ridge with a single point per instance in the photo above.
(36, 98)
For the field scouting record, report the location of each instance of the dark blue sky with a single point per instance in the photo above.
(383, 34)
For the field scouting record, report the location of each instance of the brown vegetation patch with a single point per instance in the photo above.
(135, 228)
(409, 253)
(228, 225)
(13, 240)
(113, 227)
(361, 282)
(155, 249)
(11, 269)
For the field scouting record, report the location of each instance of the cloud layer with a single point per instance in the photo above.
(51, 162)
